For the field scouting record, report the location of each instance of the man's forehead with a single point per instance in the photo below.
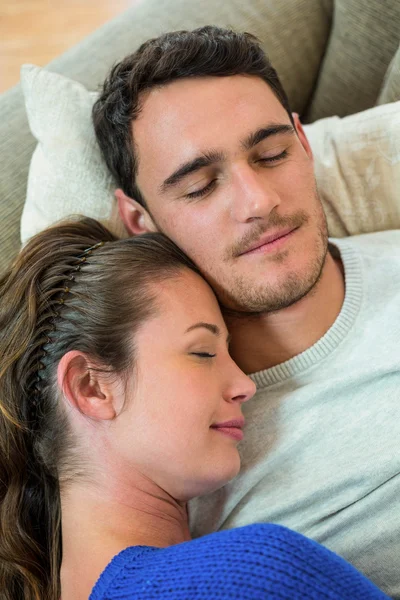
(183, 101)
(190, 116)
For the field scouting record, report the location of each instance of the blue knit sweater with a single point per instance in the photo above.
(249, 563)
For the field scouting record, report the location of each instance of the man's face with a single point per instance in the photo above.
(226, 176)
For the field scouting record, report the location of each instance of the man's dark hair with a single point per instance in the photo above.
(204, 52)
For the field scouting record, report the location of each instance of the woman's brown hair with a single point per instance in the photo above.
(73, 287)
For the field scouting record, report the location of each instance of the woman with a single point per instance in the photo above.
(119, 403)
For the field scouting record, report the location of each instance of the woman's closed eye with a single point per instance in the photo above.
(203, 354)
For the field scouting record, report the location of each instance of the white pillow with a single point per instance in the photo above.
(357, 162)
(67, 175)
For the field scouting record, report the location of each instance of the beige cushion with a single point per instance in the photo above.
(357, 166)
(357, 161)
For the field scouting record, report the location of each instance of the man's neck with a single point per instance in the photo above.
(259, 343)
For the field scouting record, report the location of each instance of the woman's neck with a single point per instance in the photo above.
(100, 521)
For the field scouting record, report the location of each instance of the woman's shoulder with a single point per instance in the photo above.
(257, 561)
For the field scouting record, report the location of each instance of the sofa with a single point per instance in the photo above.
(335, 57)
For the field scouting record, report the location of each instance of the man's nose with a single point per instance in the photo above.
(253, 195)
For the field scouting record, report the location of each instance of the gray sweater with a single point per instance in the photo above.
(321, 452)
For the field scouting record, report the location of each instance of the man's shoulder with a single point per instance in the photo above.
(372, 244)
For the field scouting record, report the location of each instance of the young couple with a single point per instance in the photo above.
(120, 401)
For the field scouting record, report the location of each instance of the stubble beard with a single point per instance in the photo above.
(245, 300)
(242, 301)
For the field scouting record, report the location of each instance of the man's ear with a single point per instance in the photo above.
(86, 388)
(135, 217)
(302, 136)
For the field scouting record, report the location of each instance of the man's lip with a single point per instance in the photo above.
(238, 423)
(268, 239)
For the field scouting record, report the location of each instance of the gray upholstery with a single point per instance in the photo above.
(297, 34)
(364, 38)
(390, 91)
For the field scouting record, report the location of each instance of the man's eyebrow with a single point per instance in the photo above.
(210, 158)
(205, 160)
(209, 326)
(265, 132)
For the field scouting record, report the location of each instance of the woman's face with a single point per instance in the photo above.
(184, 384)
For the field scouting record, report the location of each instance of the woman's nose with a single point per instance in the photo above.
(241, 389)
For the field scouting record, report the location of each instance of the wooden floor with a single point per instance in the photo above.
(36, 31)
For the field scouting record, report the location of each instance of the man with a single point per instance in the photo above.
(197, 130)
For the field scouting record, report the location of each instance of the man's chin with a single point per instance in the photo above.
(247, 303)
(256, 309)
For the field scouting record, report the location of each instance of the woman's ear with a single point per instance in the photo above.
(135, 217)
(86, 388)
(302, 136)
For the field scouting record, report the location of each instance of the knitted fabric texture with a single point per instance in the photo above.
(249, 563)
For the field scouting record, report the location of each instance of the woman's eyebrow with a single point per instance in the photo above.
(210, 327)
(199, 162)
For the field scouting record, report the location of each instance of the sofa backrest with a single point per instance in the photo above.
(331, 57)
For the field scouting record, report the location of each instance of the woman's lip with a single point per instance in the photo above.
(233, 432)
(239, 422)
